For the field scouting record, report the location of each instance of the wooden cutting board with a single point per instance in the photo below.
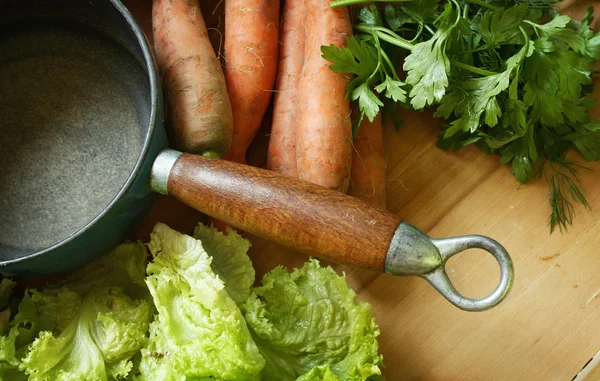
(549, 326)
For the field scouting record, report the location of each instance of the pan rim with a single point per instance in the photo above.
(155, 98)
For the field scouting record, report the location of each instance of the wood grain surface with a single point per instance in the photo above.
(549, 326)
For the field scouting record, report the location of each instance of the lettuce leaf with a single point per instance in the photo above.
(22, 329)
(230, 260)
(90, 324)
(308, 327)
(105, 330)
(6, 287)
(199, 332)
(124, 267)
(9, 358)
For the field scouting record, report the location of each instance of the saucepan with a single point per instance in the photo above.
(84, 149)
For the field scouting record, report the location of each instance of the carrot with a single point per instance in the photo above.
(192, 78)
(367, 177)
(324, 132)
(281, 156)
(251, 44)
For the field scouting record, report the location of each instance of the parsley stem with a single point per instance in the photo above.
(472, 69)
(391, 37)
(386, 35)
(390, 64)
(484, 4)
(345, 3)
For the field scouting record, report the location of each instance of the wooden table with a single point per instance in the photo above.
(549, 326)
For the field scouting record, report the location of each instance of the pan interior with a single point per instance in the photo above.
(74, 109)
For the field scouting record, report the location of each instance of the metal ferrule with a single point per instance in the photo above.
(161, 168)
(413, 252)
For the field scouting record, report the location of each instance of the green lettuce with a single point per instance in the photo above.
(32, 317)
(209, 322)
(104, 330)
(308, 327)
(89, 325)
(6, 287)
(230, 260)
(124, 267)
(199, 332)
(9, 354)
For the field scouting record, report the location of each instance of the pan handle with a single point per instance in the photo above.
(313, 219)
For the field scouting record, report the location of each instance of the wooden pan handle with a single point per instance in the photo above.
(295, 213)
(321, 222)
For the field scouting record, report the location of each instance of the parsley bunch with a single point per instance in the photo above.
(510, 77)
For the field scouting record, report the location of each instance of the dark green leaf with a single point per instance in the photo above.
(557, 30)
(554, 85)
(517, 152)
(585, 25)
(395, 17)
(588, 144)
(471, 99)
(390, 111)
(592, 47)
(356, 58)
(370, 16)
(502, 26)
(422, 11)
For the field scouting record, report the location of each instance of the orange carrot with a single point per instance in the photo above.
(251, 44)
(281, 156)
(192, 78)
(367, 177)
(324, 132)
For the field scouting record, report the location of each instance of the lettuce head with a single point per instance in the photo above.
(308, 327)
(192, 313)
(199, 333)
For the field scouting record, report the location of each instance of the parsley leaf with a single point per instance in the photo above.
(356, 58)
(428, 65)
(370, 16)
(470, 99)
(396, 17)
(523, 154)
(367, 100)
(502, 26)
(588, 144)
(554, 85)
(511, 77)
(393, 89)
(562, 36)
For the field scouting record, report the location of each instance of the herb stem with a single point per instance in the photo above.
(345, 3)
(472, 69)
(391, 37)
(479, 49)
(390, 64)
(484, 4)
(429, 29)
(419, 31)
(386, 35)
